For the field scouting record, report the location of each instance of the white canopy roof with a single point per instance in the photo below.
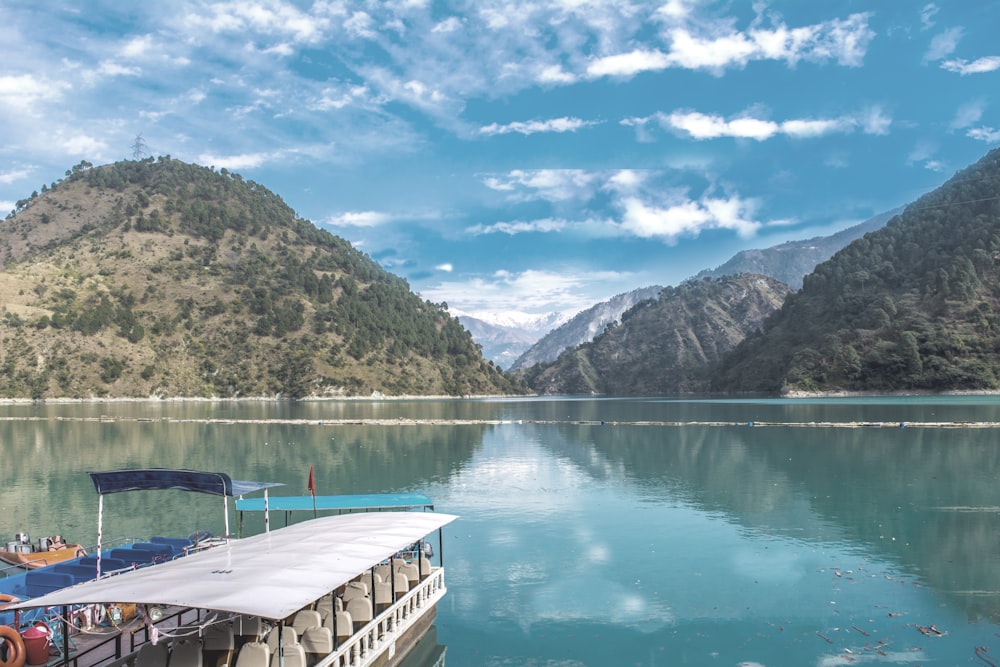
(270, 575)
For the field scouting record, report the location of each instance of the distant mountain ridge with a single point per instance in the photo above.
(664, 346)
(790, 262)
(504, 336)
(582, 327)
(157, 278)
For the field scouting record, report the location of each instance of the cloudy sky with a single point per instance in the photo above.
(518, 156)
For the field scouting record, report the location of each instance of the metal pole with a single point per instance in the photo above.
(100, 520)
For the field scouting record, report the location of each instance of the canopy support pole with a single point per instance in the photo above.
(100, 522)
(225, 509)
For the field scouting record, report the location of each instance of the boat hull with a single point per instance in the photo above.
(35, 559)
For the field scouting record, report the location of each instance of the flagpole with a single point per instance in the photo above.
(312, 488)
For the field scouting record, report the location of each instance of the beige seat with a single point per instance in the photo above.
(186, 653)
(254, 654)
(291, 655)
(306, 618)
(354, 592)
(340, 624)
(288, 636)
(424, 566)
(408, 570)
(317, 640)
(218, 645)
(248, 628)
(383, 594)
(400, 584)
(382, 571)
(152, 655)
(360, 610)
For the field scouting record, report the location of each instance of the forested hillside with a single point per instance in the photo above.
(668, 345)
(913, 306)
(160, 278)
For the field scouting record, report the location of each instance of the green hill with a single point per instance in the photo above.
(160, 278)
(912, 306)
(667, 345)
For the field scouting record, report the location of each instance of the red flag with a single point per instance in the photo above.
(312, 482)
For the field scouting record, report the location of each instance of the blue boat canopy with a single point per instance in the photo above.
(154, 479)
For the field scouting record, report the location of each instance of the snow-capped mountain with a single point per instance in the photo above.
(504, 336)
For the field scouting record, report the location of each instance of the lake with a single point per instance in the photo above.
(602, 531)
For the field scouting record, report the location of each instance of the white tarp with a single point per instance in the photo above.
(270, 575)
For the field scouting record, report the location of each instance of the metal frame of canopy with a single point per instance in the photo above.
(158, 479)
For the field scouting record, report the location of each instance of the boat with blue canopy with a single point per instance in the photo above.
(337, 590)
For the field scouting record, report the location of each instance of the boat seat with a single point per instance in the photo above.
(288, 636)
(408, 570)
(424, 567)
(353, 593)
(325, 606)
(254, 654)
(383, 594)
(161, 551)
(250, 628)
(401, 584)
(179, 545)
(186, 653)
(360, 610)
(79, 572)
(292, 655)
(219, 642)
(152, 655)
(306, 618)
(107, 564)
(132, 556)
(341, 625)
(383, 571)
(40, 582)
(317, 640)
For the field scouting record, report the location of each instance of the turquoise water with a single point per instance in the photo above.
(613, 544)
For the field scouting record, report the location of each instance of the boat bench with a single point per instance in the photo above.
(160, 551)
(136, 556)
(77, 571)
(107, 564)
(180, 545)
(38, 583)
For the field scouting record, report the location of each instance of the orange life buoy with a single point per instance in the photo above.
(16, 654)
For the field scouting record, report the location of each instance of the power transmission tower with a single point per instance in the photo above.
(139, 149)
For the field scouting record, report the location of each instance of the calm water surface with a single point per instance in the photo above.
(613, 544)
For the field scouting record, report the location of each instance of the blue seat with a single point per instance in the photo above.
(180, 545)
(107, 564)
(160, 552)
(129, 556)
(78, 572)
(38, 582)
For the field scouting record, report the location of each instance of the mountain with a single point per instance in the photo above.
(789, 262)
(581, 328)
(504, 336)
(160, 278)
(664, 346)
(912, 306)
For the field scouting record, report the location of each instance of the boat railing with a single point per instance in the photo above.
(364, 647)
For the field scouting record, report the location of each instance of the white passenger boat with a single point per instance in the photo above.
(331, 591)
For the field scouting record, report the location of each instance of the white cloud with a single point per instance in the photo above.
(6, 207)
(547, 184)
(702, 126)
(529, 291)
(927, 15)
(978, 66)
(24, 92)
(688, 218)
(968, 114)
(717, 46)
(267, 19)
(83, 145)
(241, 161)
(447, 267)
(943, 45)
(564, 124)
(359, 219)
(987, 134)
(545, 225)
(450, 24)
(8, 177)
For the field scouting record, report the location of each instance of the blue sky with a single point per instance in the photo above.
(519, 156)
